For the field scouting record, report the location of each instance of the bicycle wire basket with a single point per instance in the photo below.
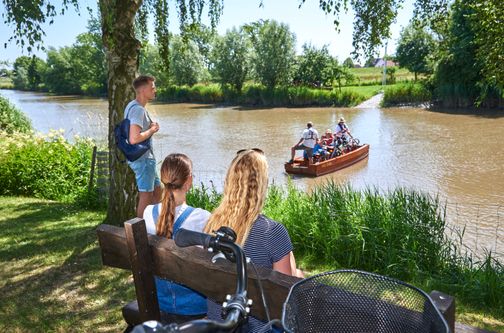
(353, 301)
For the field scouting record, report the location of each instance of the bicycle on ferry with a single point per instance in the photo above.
(339, 301)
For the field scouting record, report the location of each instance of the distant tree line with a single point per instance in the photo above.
(452, 55)
(261, 52)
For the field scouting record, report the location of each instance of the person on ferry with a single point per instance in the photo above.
(307, 142)
(342, 132)
(327, 138)
(320, 152)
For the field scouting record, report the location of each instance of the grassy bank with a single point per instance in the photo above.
(366, 91)
(51, 277)
(406, 94)
(258, 95)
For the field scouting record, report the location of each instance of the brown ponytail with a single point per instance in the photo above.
(175, 171)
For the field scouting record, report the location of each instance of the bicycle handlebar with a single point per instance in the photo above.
(185, 238)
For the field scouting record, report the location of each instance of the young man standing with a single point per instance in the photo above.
(306, 143)
(142, 128)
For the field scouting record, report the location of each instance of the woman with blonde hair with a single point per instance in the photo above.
(164, 219)
(264, 241)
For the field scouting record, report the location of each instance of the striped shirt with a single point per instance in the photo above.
(268, 242)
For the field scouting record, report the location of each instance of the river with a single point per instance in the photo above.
(456, 155)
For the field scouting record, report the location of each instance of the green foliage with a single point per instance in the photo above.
(61, 76)
(458, 79)
(76, 69)
(406, 94)
(254, 94)
(414, 49)
(88, 61)
(373, 18)
(198, 93)
(28, 72)
(348, 62)
(340, 75)
(204, 38)
(391, 78)
(231, 59)
(6, 83)
(5, 72)
(204, 197)
(151, 64)
(489, 30)
(44, 166)
(186, 63)
(314, 66)
(12, 119)
(274, 52)
(80, 68)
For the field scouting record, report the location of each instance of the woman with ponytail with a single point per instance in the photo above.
(164, 219)
(264, 241)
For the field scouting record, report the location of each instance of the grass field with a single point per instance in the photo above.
(375, 74)
(6, 83)
(367, 91)
(51, 277)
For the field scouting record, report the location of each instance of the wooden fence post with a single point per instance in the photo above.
(91, 175)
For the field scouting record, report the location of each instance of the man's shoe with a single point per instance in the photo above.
(290, 161)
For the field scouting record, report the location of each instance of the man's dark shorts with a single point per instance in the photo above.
(308, 150)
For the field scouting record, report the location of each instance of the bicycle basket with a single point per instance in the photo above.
(355, 301)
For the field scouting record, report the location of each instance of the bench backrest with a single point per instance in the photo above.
(148, 255)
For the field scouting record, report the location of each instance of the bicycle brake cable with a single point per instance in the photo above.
(266, 309)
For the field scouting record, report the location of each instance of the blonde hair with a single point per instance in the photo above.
(175, 171)
(244, 194)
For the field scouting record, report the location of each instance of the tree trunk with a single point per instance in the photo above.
(122, 50)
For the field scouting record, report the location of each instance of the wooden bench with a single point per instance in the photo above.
(146, 255)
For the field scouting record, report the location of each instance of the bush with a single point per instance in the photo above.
(12, 119)
(198, 93)
(45, 166)
(256, 94)
(406, 94)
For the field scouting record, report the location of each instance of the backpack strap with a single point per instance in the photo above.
(181, 219)
(155, 213)
(127, 111)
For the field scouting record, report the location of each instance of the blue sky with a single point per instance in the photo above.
(309, 24)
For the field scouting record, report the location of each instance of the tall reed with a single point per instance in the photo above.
(406, 94)
(400, 233)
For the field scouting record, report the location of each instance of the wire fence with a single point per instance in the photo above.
(478, 227)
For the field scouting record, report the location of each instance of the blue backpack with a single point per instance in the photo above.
(121, 134)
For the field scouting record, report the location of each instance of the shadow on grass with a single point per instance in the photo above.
(52, 278)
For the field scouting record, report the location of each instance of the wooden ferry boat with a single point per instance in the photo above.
(301, 167)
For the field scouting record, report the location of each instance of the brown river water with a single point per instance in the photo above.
(457, 155)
